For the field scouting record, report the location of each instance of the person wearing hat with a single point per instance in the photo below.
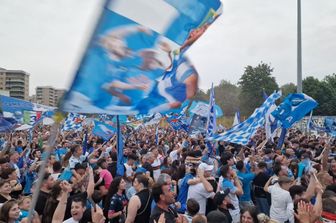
(282, 208)
(223, 203)
(203, 190)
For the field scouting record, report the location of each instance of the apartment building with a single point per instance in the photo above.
(16, 82)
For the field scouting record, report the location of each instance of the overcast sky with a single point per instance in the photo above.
(46, 38)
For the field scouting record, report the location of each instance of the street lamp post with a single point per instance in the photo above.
(299, 49)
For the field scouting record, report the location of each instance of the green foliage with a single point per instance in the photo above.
(252, 83)
(323, 92)
(200, 96)
(287, 89)
(227, 97)
(248, 95)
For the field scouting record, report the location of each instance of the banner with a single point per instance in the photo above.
(201, 108)
(31, 117)
(293, 109)
(135, 61)
(73, 122)
(103, 130)
(197, 125)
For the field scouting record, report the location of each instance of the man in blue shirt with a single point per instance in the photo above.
(246, 177)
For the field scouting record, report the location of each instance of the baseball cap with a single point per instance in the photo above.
(220, 196)
(206, 167)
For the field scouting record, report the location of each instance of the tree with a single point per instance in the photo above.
(287, 89)
(200, 96)
(252, 83)
(330, 82)
(321, 92)
(227, 97)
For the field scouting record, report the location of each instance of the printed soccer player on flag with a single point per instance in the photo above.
(135, 64)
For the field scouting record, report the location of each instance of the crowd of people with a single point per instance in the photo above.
(168, 177)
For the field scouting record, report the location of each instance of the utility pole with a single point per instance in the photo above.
(299, 49)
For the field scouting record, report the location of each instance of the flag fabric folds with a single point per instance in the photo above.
(30, 117)
(103, 130)
(236, 119)
(5, 125)
(73, 122)
(135, 62)
(293, 109)
(241, 133)
(211, 122)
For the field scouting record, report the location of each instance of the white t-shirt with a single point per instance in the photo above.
(70, 220)
(173, 155)
(55, 176)
(156, 173)
(129, 170)
(200, 194)
(282, 208)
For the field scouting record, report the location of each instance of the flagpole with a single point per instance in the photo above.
(51, 142)
(299, 49)
(120, 162)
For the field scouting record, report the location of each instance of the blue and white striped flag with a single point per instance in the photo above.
(73, 122)
(211, 123)
(241, 133)
(236, 119)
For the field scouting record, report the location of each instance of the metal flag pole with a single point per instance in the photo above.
(299, 49)
(51, 142)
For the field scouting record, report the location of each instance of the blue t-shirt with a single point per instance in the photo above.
(183, 192)
(246, 179)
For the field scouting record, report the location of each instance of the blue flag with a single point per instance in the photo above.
(120, 147)
(103, 130)
(293, 109)
(211, 122)
(330, 125)
(135, 62)
(5, 126)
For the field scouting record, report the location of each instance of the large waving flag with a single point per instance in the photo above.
(241, 133)
(135, 62)
(73, 122)
(103, 130)
(293, 109)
